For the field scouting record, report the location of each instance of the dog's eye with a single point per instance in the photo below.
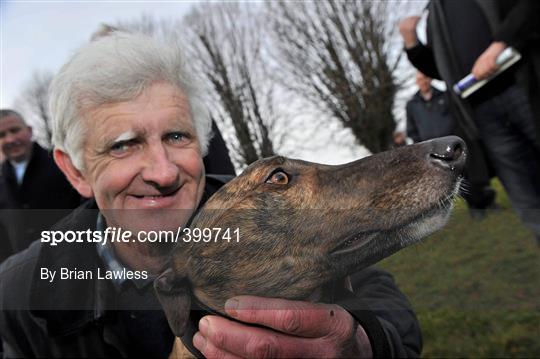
(278, 177)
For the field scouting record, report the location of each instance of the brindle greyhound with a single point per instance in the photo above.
(304, 224)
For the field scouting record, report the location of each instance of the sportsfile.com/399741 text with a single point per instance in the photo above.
(113, 234)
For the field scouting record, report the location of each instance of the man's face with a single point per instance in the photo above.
(143, 160)
(423, 82)
(15, 139)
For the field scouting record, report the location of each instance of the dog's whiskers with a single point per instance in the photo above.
(464, 187)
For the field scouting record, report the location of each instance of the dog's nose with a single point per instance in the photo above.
(448, 152)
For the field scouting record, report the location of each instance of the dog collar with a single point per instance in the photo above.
(367, 319)
(198, 311)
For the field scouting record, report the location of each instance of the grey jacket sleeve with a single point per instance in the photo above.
(377, 289)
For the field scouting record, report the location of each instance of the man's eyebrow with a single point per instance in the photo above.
(125, 136)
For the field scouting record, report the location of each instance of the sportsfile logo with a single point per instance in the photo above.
(118, 235)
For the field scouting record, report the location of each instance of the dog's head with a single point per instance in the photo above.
(302, 224)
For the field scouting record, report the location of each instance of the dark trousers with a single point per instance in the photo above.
(507, 128)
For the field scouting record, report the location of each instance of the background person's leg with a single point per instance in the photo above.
(507, 128)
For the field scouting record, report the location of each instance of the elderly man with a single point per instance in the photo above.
(32, 188)
(130, 133)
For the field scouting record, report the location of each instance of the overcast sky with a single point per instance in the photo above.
(41, 35)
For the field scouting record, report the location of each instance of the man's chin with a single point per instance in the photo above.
(16, 156)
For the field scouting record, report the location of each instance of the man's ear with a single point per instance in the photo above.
(74, 176)
(175, 298)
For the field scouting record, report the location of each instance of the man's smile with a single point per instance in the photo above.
(155, 199)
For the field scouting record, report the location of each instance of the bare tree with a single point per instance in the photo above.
(33, 102)
(226, 48)
(340, 55)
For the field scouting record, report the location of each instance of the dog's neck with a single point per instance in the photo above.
(197, 305)
(324, 294)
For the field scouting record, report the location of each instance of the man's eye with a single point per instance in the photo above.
(118, 147)
(121, 148)
(176, 137)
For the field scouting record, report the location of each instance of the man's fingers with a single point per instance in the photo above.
(304, 319)
(209, 350)
(486, 64)
(223, 336)
(484, 67)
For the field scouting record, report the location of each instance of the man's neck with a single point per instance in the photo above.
(20, 169)
(427, 95)
(25, 159)
(18, 163)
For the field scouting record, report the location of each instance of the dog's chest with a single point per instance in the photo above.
(180, 351)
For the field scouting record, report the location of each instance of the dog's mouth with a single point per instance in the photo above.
(354, 243)
(402, 234)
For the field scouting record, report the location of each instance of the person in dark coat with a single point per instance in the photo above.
(130, 132)
(466, 37)
(428, 116)
(34, 193)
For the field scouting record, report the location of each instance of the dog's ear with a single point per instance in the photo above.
(175, 298)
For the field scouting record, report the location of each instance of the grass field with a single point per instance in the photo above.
(475, 286)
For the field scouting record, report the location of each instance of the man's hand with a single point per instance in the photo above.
(300, 329)
(486, 63)
(407, 28)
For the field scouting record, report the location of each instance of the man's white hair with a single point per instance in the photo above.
(111, 69)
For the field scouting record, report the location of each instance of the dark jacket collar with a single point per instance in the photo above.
(435, 93)
(8, 172)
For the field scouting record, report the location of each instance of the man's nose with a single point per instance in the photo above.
(159, 168)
